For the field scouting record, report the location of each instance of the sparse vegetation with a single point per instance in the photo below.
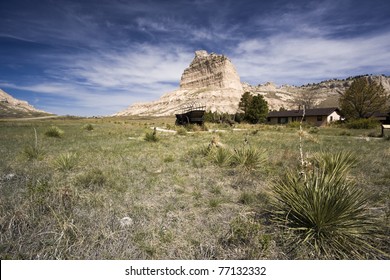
(204, 195)
(88, 127)
(54, 131)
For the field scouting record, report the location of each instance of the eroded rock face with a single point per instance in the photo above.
(210, 79)
(210, 71)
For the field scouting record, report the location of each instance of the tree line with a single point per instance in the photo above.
(362, 99)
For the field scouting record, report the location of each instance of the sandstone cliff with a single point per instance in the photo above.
(210, 80)
(12, 107)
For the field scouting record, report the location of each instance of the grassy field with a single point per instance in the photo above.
(110, 189)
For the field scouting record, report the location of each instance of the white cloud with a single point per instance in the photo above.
(298, 60)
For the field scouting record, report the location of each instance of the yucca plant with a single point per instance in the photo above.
(325, 211)
(34, 151)
(66, 161)
(248, 158)
(221, 156)
(54, 131)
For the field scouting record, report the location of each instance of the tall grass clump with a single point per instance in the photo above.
(151, 136)
(66, 161)
(325, 212)
(248, 158)
(34, 151)
(54, 131)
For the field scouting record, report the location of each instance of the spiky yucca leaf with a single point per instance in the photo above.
(326, 211)
(66, 161)
(221, 156)
(337, 163)
(248, 158)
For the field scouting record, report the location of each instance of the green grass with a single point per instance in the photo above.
(185, 199)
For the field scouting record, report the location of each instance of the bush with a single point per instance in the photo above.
(88, 127)
(326, 212)
(54, 131)
(362, 123)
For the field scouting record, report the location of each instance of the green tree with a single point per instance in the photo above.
(257, 110)
(363, 98)
(245, 102)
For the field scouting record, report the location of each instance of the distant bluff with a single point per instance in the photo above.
(211, 79)
(11, 107)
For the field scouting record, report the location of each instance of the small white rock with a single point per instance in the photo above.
(9, 176)
(126, 222)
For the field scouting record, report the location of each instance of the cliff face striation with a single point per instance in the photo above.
(210, 79)
(11, 107)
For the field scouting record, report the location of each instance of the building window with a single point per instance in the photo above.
(331, 118)
(319, 118)
(282, 120)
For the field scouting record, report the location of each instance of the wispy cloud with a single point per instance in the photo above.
(304, 59)
(110, 81)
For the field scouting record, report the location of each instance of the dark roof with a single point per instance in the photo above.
(299, 113)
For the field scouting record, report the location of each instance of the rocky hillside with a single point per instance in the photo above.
(212, 80)
(11, 107)
(324, 94)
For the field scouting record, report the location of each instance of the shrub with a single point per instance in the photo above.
(325, 212)
(88, 127)
(314, 130)
(362, 123)
(54, 131)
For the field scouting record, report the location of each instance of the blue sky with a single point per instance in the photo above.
(96, 57)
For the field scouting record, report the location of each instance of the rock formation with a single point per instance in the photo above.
(12, 107)
(210, 80)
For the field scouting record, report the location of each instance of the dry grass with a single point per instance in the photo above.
(184, 200)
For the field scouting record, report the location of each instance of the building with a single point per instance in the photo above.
(317, 117)
(383, 118)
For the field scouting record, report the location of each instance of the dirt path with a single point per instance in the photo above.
(31, 119)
